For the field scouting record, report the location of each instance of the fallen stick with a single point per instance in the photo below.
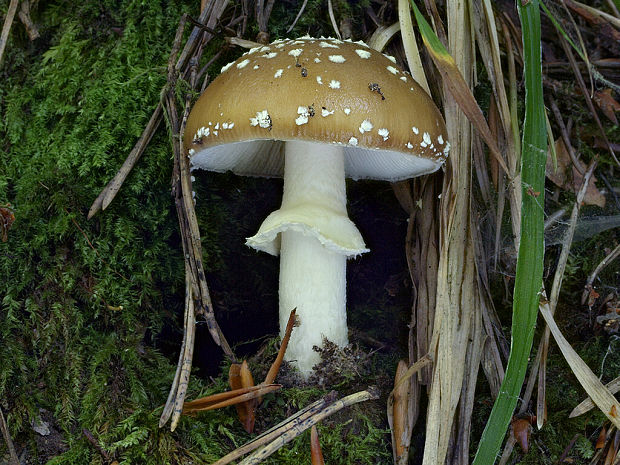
(104, 199)
(9, 441)
(6, 28)
(235, 397)
(293, 432)
(275, 431)
(292, 428)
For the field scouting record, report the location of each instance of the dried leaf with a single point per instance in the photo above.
(612, 452)
(6, 220)
(608, 105)
(315, 448)
(456, 84)
(602, 438)
(567, 176)
(521, 429)
(234, 377)
(401, 388)
(246, 409)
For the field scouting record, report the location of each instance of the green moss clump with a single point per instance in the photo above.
(82, 302)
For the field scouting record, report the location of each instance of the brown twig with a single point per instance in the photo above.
(8, 440)
(6, 28)
(293, 426)
(107, 195)
(198, 299)
(89, 436)
(275, 366)
(24, 16)
(228, 398)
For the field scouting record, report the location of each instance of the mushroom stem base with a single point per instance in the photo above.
(312, 279)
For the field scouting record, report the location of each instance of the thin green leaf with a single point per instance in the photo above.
(561, 30)
(530, 260)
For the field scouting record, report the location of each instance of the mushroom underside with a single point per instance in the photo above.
(265, 157)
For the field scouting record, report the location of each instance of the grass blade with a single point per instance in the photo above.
(599, 394)
(530, 259)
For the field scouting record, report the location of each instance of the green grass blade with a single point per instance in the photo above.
(530, 260)
(561, 30)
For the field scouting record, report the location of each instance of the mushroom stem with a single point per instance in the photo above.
(312, 273)
(314, 236)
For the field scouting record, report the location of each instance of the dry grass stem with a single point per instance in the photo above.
(411, 46)
(293, 426)
(615, 253)
(301, 10)
(294, 430)
(332, 18)
(613, 386)
(459, 453)
(456, 287)
(382, 35)
(600, 395)
(274, 432)
(422, 253)
(13, 460)
(6, 27)
(541, 404)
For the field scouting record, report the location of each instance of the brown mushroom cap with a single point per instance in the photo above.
(322, 90)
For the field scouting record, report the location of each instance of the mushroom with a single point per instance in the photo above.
(312, 111)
